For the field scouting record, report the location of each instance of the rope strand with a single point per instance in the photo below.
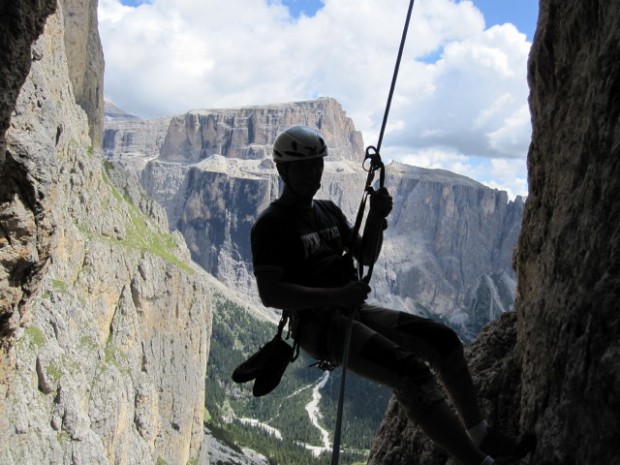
(376, 163)
(395, 75)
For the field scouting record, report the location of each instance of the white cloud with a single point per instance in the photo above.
(460, 87)
(508, 174)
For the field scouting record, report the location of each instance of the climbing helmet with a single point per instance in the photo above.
(299, 143)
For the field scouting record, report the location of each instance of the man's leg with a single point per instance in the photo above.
(461, 390)
(439, 345)
(443, 426)
(436, 344)
(377, 358)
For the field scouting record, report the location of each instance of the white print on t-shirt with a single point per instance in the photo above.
(312, 241)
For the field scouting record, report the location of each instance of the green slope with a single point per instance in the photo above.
(236, 335)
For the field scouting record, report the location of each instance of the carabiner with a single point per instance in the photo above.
(376, 163)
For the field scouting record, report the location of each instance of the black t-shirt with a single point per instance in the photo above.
(307, 245)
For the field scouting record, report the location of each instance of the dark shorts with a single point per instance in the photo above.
(394, 348)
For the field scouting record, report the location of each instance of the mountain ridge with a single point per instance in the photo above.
(213, 198)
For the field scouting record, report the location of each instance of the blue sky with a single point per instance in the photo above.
(307, 7)
(521, 13)
(461, 96)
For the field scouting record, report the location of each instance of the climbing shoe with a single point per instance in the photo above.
(250, 369)
(274, 367)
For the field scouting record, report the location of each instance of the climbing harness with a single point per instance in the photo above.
(375, 164)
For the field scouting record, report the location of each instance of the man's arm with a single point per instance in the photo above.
(276, 293)
(368, 247)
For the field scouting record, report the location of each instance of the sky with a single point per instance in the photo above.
(460, 100)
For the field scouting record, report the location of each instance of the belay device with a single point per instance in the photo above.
(375, 164)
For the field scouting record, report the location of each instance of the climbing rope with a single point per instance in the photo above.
(375, 164)
(372, 155)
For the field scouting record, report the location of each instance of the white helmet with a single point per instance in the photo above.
(299, 143)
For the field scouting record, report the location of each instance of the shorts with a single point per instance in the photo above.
(396, 349)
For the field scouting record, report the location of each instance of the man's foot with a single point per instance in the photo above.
(499, 445)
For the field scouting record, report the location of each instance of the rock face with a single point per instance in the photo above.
(20, 24)
(447, 253)
(85, 61)
(25, 238)
(244, 133)
(105, 320)
(449, 247)
(569, 253)
(559, 374)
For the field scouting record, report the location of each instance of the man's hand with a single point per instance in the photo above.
(351, 295)
(381, 204)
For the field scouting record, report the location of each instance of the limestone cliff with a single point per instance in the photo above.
(244, 133)
(85, 61)
(20, 24)
(105, 320)
(448, 250)
(557, 363)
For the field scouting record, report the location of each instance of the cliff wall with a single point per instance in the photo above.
(105, 320)
(568, 259)
(21, 23)
(85, 61)
(244, 133)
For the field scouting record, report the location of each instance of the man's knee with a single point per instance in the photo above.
(448, 342)
(418, 396)
(438, 337)
(450, 358)
(452, 363)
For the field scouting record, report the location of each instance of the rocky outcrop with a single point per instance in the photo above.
(448, 250)
(85, 61)
(25, 235)
(20, 24)
(105, 320)
(568, 259)
(115, 113)
(557, 364)
(244, 133)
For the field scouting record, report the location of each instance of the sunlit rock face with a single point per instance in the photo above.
(20, 23)
(555, 365)
(105, 321)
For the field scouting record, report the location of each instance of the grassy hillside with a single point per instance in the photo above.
(236, 335)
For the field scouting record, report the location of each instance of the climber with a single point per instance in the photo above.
(301, 251)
